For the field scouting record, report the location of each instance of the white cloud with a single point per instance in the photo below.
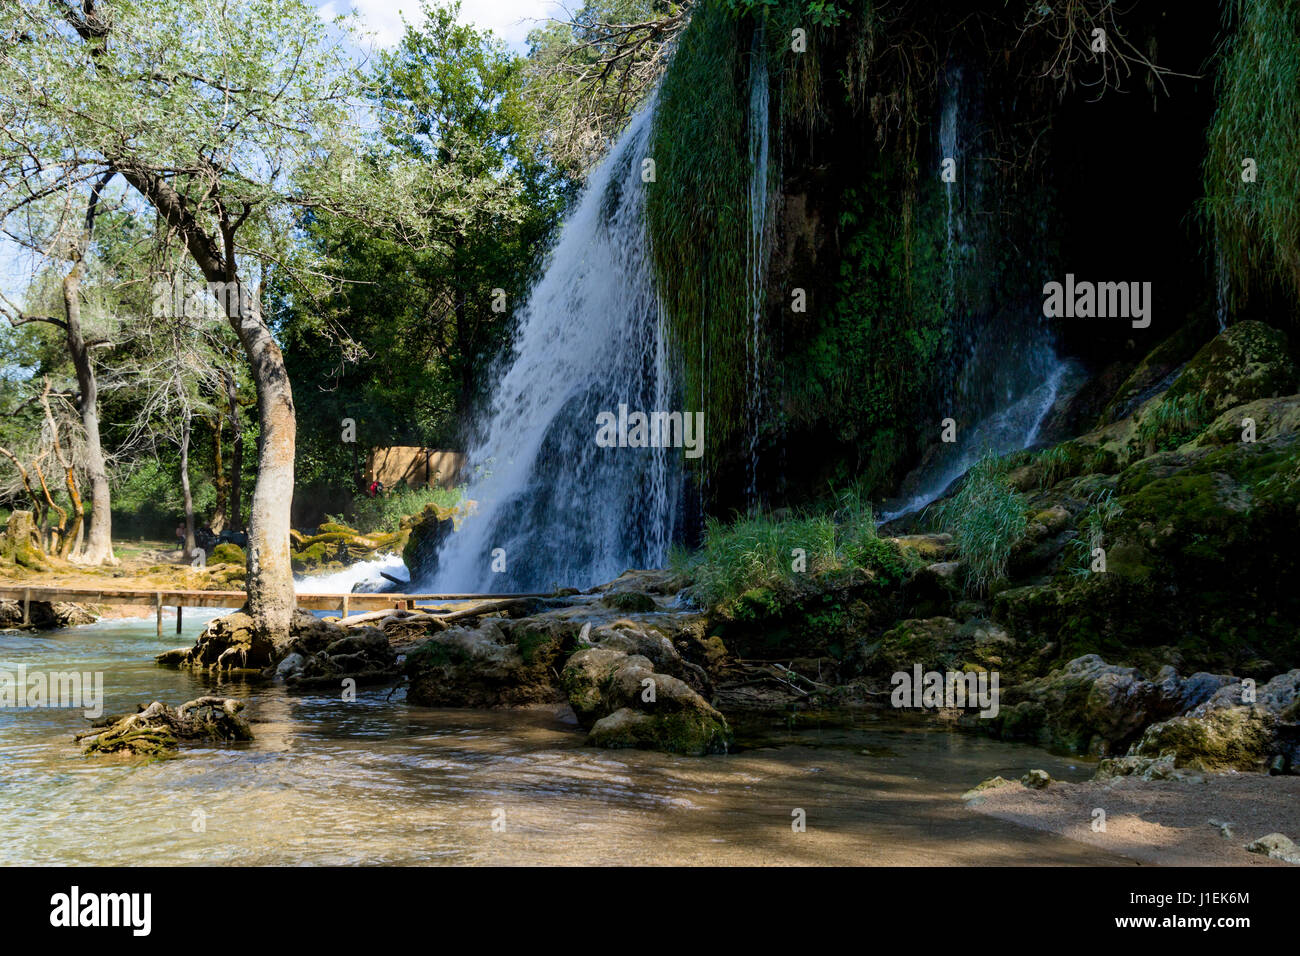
(511, 20)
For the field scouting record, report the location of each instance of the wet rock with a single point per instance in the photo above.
(316, 652)
(1037, 779)
(630, 601)
(158, 729)
(930, 642)
(620, 690)
(684, 732)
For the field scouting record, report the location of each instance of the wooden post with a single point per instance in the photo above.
(178, 618)
(346, 599)
(157, 603)
(27, 606)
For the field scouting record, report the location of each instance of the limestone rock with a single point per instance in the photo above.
(1277, 846)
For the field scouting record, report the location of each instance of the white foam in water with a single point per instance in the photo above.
(562, 510)
(343, 581)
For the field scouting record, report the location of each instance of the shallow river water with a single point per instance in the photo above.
(378, 781)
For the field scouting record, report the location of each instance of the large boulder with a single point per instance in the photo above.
(1247, 361)
(498, 663)
(1090, 706)
(625, 699)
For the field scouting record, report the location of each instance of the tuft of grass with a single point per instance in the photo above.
(1103, 509)
(986, 517)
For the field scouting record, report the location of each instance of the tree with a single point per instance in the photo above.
(229, 121)
(99, 546)
(401, 345)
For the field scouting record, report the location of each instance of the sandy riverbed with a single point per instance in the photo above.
(1159, 822)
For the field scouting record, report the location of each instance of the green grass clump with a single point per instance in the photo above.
(986, 517)
(759, 551)
(1174, 421)
(385, 513)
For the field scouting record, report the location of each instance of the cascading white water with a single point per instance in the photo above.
(553, 508)
(1011, 428)
(759, 135)
(948, 149)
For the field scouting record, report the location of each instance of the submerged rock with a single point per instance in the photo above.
(158, 729)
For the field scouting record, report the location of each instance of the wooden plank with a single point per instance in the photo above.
(349, 602)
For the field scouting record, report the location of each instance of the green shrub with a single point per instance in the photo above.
(1257, 225)
(738, 562)
(385, 512)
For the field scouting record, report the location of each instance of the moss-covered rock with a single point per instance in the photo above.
(499, 663)
(1236, 738)
(1246, 362)
(227, 553)
(629, 601)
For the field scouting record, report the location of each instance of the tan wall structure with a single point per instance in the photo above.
(416, 467)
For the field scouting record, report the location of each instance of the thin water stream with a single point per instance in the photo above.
(379, 781)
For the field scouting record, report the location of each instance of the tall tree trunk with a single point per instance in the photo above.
(236, 456)
(271, 600)
(185, 486)
(219, 478)
(99, 543)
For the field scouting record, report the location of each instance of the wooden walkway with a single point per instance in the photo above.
(345, 604)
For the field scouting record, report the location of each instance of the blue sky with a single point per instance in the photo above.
(509, 19)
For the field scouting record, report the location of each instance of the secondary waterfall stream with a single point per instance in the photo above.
(1011, 376)
(553, 507)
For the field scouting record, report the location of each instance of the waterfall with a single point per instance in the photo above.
(1010, 376)
(759, 133)
(1222, 286)
(553, 508)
